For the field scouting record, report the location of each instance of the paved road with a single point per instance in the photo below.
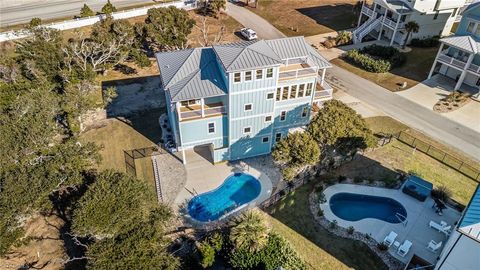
(410, 113)
(21, 11)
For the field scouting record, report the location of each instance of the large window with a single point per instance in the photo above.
(248, 76)
(211, 128)
(279, 93)
(309, 89)
(285, 93)
(237, 77)
(269, 72)
(293, 91)
(283, 115)
(259, 74)
(301, 90)
(470, 27)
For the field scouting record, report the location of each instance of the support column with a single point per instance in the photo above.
(202, 102)
(464, 72)
(435, 61)
(184, 159)
(177, 106)
(395, 31)
(361, 14)
(323, 76)
(381, 26)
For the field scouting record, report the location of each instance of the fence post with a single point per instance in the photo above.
(444, 156)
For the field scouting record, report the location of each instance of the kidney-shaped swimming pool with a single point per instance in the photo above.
(354, 207)
(237, 190)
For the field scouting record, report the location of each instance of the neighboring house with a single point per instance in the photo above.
(239, 99)
(458, 57)
(386, 19)
(462, 249)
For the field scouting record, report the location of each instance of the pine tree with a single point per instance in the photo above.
(86, 11)
(109, 8)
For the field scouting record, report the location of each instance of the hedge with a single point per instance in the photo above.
(426, 42)
(376, 58)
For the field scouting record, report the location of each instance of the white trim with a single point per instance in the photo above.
(214, 128)
(194, 143)
(293, 104)
(241, 77)
(275, 139)
(184, 121)
(249, 116)
(245, 76)
(273, 93)
(280, 116)
(256, 70)
(265, 119)
(249, 132)
(268, 139)
(252, 90)
(266, 72)
(245, 105)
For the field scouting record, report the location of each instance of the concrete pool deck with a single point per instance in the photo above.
(203, 176)
(416, 230)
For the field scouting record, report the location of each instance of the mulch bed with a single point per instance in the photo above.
(452, 102)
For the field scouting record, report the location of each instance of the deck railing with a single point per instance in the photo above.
(452, 61)
(293, 74)
(208, 111)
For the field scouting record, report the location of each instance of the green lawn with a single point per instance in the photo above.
(416, 69)
(318, 248)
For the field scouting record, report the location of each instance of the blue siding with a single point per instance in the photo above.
(195, 132)
(471, 215)
(249, 147)
(258, 99)
(220, 154)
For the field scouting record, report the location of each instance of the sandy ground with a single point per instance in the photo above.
(44, 251)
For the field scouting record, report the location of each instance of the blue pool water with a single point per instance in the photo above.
(238, 189)
(354, 207)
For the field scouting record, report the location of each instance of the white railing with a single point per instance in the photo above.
(392, 24)
(323, 94)
(451, 61)
(368, 29)
(206, 112)
(359, 29)
(293, 74)
(81, 22)
(474, 68)
(368, 11)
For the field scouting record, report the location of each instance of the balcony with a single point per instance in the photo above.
(474, 68)
(367, 11)
(451, 61)
(323, 92)
(296, 71)
(190, 112)
(392, 24)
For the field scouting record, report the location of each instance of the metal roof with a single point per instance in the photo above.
(396, 5)
(466, 43)
(470, 222)
(191, 74)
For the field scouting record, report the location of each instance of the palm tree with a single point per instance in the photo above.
(250, 230)
(410, 27)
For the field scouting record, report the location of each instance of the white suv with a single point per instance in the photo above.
(248, 33)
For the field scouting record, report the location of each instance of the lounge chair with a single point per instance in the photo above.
(434, 246)
(443, 228)
(404, 248)
(435, 226)
(446, 230)
(390, 238)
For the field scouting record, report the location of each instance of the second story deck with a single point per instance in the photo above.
(295, 69)
(187, 112)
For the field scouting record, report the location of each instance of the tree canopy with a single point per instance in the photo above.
(108, 8)
(86, 11)
(249, 231)
(297, 149)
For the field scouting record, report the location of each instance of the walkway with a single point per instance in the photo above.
(410, 113)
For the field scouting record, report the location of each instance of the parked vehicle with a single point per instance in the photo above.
(248, 33)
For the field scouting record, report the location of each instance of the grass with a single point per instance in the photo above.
(308, 17)
(115, 136)
(416, 69)
(398, 155)
(316, 246)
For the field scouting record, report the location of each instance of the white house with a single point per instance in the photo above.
(386, 19)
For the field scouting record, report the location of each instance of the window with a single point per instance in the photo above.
(248, 107)
(248, 76)
(211, 128)
(305, 111)
(259, 74)
(309, 89)
(470, 27)
(265, 139)
(268, 118)
(477, 31)
(270, 95)
(293, 91)
(436, 15)
(190, 102)
(269, 72)
(237, 77)
(283, 115)
(278, 137)
(247, 130)
(301, 90)
(279, 93)
(285, 93)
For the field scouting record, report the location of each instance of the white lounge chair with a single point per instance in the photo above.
(390, 238)
(443, 228)
(435, 226)
(446, 230)
(404, 248)
(434, 246)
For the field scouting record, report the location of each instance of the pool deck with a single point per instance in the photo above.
(203, 176)
(416, 230)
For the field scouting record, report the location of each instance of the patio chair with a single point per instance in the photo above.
(404, 248)
(390, 238)
(434, 246)
(435, 226)
(446, 230)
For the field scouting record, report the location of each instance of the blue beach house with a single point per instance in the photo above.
(459, 55)
(238, 99)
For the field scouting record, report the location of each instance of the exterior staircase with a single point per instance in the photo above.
(156, 175)
(365, 28)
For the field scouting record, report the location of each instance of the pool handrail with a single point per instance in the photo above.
(399, 217)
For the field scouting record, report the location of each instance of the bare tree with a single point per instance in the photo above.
(205, 39)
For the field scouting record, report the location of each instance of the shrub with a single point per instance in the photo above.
(140, 58)
(358, 179)
(289, 173)
(276, 253)
(376, 58)
(344, 38)
(366, 62)
(207, 254)
(441, 193)
(382, 246)
(390, 182)
(350, 230)
(320, 212)
(341, 178)
(333, 224)
(387, 53)
(426, 42)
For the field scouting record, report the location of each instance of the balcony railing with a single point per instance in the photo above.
(323, 92)
(474, 68)
(451, 61)
(195, 111)
(368, 11)
(297, 73)
(392, 24)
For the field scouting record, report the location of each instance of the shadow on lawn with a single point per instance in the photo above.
(294, 212)
(337, 17)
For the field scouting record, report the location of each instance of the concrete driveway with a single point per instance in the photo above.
(429, 92)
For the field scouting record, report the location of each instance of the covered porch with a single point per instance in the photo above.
(200, 108)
